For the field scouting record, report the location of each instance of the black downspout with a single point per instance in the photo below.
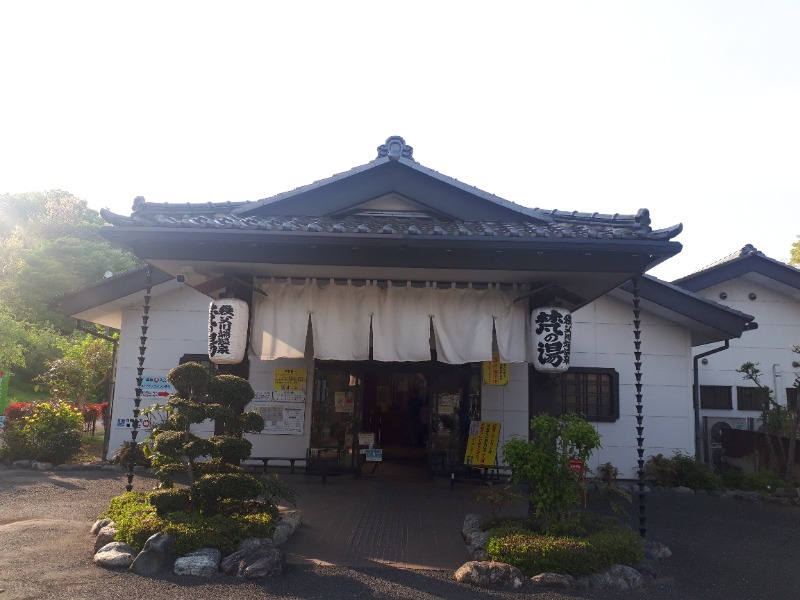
(698, 434)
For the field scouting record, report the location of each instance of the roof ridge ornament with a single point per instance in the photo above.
(395, 148)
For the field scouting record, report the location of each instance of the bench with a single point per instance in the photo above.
(317, 461)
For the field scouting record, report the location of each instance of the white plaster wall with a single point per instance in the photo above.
(508, 404)
(603, 338)
(778, 318)
(262, 378)
(177, 326)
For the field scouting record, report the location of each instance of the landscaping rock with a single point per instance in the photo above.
(288, 523)
(105, 536)
(747, 496)
(116, 555)
(474, 537)
(156, 556)
(655, 550)
(200, 563)
(99, 524)
(682, 489)
(632, 578)
(554, 581)
(22, 464)
(650, 569)
(256, 561)
(489, 574)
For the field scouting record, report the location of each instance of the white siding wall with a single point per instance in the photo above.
(508, 404)
(177, 326)
(778, 319)
(603, 338)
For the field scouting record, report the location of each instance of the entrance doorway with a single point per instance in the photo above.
(417, 414)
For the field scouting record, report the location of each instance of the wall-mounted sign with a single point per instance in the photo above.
(282, 417)
(495, 372)
(280, 396)
(227, 330)
(551, 329)
(343, 402)
(291, 379)
(366, 439)
(128, 423)
(482, 443)
(374, 455)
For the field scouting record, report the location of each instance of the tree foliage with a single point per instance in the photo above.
(50, 244)
(794, 258)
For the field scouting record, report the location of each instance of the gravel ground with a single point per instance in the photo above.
(722, 549)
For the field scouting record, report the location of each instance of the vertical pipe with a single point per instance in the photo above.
(139, 378)
(637, 343)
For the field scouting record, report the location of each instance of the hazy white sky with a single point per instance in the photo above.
(690, 109)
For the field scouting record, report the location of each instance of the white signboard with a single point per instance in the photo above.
(157, 383)
(280, 396)
(285, 418)
(128, 424)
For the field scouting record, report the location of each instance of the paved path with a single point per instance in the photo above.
(398, 516)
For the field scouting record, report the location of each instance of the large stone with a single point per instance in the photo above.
(655, 550)
(649, 569)
(257, 560)
(554, 581)
(472, 523)
(22, 464)
(105, 535)
(200, 563)
(287, 524)
(489, 574)
(116, 555)
(156, 556)
(99, 524)
(682, 489)
(632, 578)
(747, 496)
(476, 544)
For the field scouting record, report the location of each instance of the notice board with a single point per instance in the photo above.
(482, 443)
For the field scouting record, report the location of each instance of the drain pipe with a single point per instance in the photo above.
(698, 434)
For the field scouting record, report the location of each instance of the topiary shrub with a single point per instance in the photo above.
(209, 491)
(171, 500)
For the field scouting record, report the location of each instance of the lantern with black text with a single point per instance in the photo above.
(227, 330)
(551, 329)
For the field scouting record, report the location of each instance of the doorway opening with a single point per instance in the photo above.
(416, 414)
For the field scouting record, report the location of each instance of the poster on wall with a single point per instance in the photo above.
(156, 387)
(343, 402)
(286, 418)
(280, 396)
(482, 443)
(290, 379)
(495, 372)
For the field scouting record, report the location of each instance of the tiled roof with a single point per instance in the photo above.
(571, 225)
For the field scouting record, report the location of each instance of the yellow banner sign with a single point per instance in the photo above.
(482, 443)
(495, 372)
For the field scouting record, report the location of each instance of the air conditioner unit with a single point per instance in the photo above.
(713, 426)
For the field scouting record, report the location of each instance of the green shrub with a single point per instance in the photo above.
(137, 520)
(661, 470)
(171, 500)
(231, 391)
(695, 474)
(214, 466)
(209, 491)
(534, 553)
(52, 433)
(231, 449)
(763, 481)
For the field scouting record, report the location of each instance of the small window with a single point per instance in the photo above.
(593, 393)
(751, 398)
(716, 396)
(791, 398)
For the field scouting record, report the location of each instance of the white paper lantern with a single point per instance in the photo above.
(551, 329)
(227, 330)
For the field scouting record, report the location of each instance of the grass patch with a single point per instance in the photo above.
(587, 543)
(137, 519)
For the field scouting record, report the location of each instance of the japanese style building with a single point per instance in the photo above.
(394, 301)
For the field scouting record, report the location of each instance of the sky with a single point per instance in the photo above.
(688, 108)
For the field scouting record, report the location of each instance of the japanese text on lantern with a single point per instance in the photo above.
(219, 329)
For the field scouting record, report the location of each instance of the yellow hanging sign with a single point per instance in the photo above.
(495, 372)
(482, 443)
(290, 379)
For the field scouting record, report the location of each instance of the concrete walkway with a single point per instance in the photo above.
(399, 516)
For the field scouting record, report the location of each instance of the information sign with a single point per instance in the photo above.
(482, 443)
